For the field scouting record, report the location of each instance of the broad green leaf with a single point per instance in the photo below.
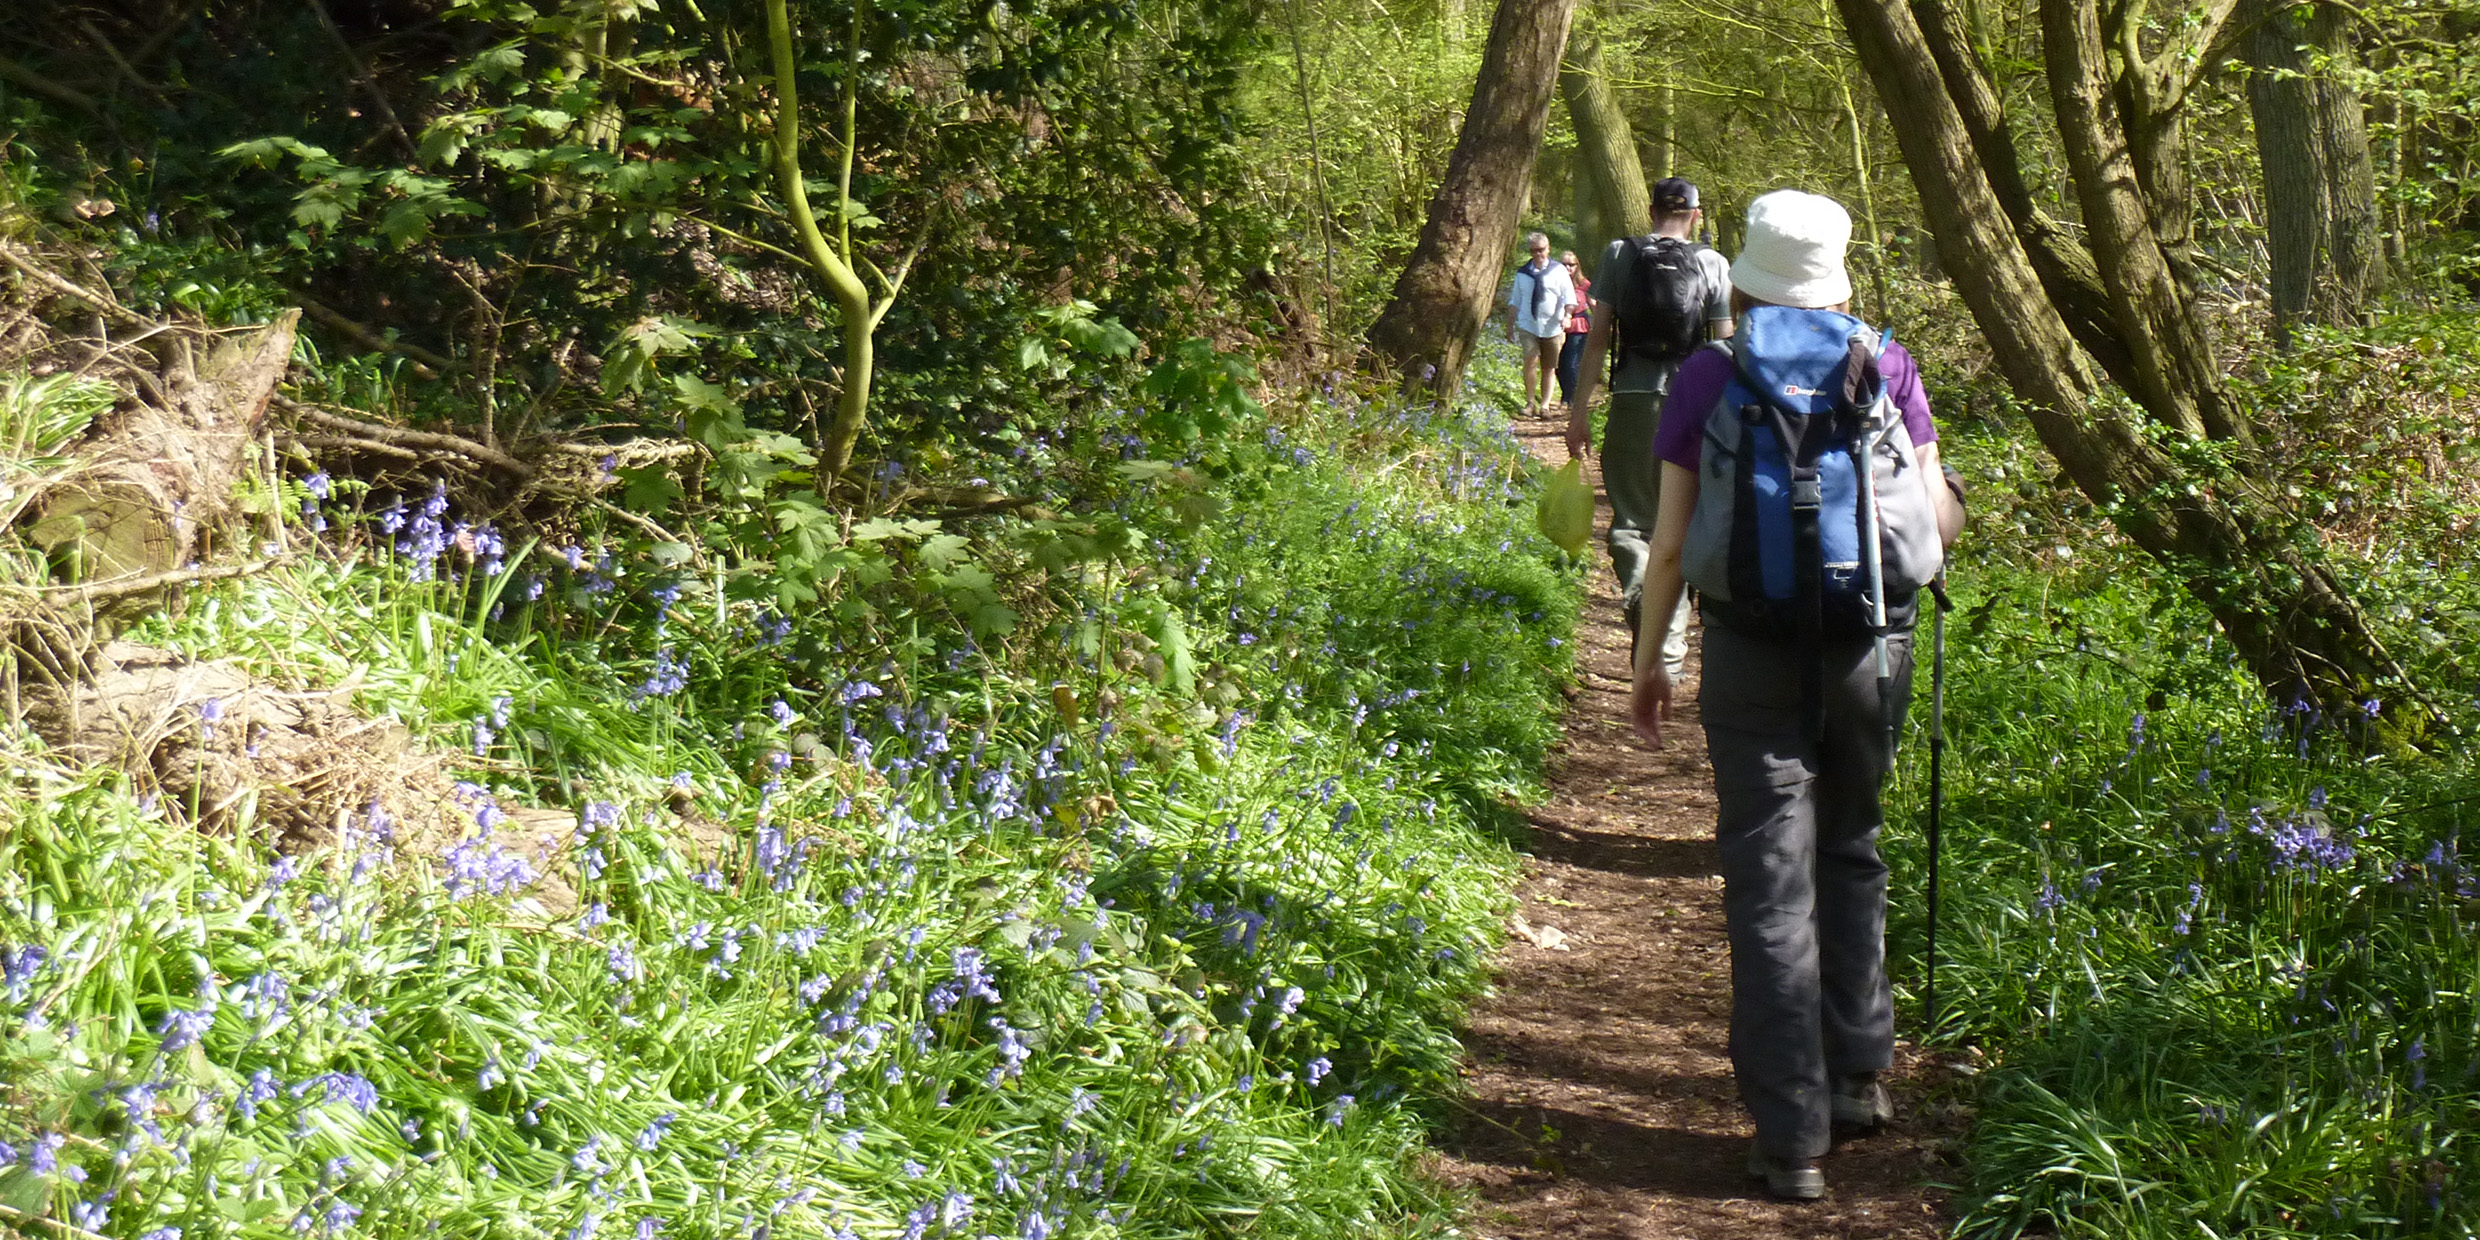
(993, 619)
(880, 529)
(649, 489)
(941, 551)
(969, 579)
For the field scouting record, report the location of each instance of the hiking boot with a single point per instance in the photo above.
(1860, 1102)
(1792, 1179)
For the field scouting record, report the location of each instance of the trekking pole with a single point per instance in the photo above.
(1872, 557)
(1937, 774)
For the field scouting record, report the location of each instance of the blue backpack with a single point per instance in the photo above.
(1781, 541)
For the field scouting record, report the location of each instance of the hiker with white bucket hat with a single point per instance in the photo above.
(1802, 495)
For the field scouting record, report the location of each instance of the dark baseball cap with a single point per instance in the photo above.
(1674, 194)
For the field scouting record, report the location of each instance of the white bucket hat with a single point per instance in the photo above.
(1793, 254)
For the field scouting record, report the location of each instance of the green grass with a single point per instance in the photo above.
(964, 965)
(2223, 957)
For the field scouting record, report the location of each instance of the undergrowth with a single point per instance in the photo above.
(2220, 956)
(1148, 914)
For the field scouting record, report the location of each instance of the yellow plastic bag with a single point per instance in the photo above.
(1566, 512)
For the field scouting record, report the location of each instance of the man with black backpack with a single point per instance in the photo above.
(1663, 294)
(1802, 496)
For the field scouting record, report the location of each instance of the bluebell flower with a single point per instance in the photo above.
(94, 1215)
(18, 967)
(344, 1087)
(183, 1028)
(261, 1087)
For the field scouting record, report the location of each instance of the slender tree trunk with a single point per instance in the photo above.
(1589, 222)
(1666, 161)
(1607, 171)
(2058, 258)
(2228, 539)
(1426, 332)
(2320, 187)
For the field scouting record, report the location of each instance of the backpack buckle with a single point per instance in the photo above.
(1807, 493)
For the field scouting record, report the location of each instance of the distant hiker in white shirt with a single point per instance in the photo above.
(1539, 300)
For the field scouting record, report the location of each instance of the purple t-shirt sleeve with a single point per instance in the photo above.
(1902, 376)
(1680, 437)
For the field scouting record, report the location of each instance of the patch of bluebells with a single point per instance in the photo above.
(18, 966)
(912, 755)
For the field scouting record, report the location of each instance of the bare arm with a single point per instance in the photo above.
(1941, 497)
(1649, 692)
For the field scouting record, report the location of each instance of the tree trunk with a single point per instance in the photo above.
(1427, 330)
(2226, 538)
(2176, 376)
(2320, 187)
(2062, 265)
(1607, 171)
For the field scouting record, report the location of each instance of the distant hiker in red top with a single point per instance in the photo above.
(1801, 493)
(1578, 323)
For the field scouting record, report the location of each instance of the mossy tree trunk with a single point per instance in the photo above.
(2320, 183)
(2051, 309)
(1609, 177)
(1427, 330)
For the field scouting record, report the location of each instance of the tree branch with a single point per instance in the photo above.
(427, 364)
(46, 87)
(45, 276)
(123, 587)
(362, 78)
(408, 438)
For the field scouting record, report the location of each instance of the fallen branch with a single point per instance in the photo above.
(123, 587)
(12, 71)
(52, 280)
(1011, 504)
(627, 450)
(408, 438)
(356, 443)
(427, 364)
(648, 524)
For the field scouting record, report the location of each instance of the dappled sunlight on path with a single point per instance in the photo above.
(1602, 1103)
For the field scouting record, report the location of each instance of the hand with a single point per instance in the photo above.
(1579, 434)
(1649, 705)
(1511, 335)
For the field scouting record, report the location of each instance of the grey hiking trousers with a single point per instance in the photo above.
(1804, 892)
(1632, 477)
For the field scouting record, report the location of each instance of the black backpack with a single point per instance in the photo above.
(1662, 313)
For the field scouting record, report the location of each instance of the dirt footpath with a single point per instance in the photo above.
(1602, 1102)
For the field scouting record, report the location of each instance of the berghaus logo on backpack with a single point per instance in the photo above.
(1803, 437)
